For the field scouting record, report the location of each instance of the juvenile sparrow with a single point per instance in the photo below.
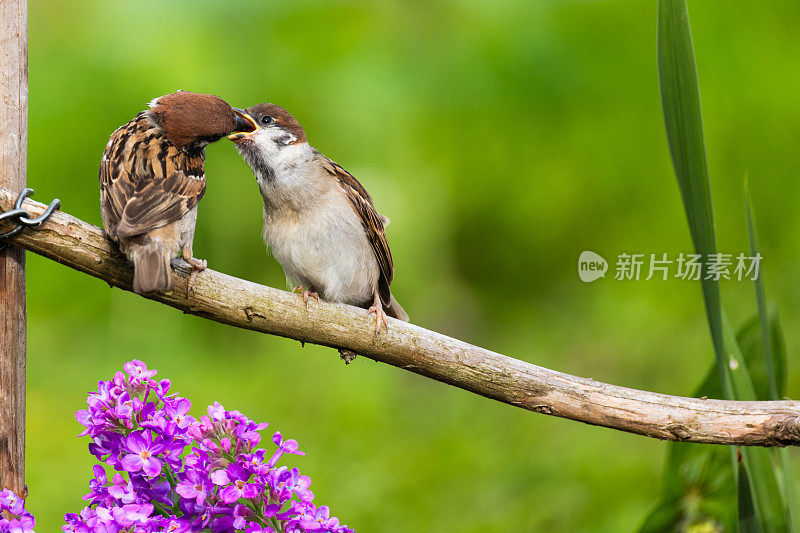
(319, 220)
(152, 176)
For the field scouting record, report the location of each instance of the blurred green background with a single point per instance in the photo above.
(502, 138)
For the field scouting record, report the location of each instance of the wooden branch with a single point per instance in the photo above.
(247, 305)
(13, 159)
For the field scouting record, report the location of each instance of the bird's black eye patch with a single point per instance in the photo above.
(267, 120)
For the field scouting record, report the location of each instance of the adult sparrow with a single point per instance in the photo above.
(319, 221)
(152, 176)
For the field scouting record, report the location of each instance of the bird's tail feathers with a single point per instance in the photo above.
(151, 271)
(395, 311)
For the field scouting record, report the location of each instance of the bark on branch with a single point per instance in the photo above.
(247, 305)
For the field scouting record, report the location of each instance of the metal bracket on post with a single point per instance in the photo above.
(21, 217)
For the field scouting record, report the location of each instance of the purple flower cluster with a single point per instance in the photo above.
(174, 473)
(14, 517)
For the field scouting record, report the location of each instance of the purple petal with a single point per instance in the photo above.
(290, 446)
(250, 490)
(157, 448)
(216, 411)
(131, 463)
(84, 417)
(274, 459)
(186, 489)
(152, 467)
(309, 524)
(272, 509)
(220, 477)
(135, 442)
(99, 474)
(163, 387)
(182, 406)
(225, 444)
(303, 482)
(230, 494)
(237, 472)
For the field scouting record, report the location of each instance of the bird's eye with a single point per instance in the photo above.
(266, 120)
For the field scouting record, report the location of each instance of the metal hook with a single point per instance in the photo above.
(12, 214)
(21, 216)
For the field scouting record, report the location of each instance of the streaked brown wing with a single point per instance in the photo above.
(113, 196)
(143, 180)
(372, 222)
(158, 202)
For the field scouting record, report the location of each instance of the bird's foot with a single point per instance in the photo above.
(305, 294)
(198, 265)
(347, 356)
(380, 317)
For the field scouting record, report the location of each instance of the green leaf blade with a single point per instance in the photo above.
(761, 299)
(680, 97)
(680, 100)
(764, 490)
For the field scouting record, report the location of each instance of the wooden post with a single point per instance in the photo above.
(13, 159)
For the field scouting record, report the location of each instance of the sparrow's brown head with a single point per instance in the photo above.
(271, 122)
(191, 121)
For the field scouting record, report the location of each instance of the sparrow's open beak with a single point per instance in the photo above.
(245, 125)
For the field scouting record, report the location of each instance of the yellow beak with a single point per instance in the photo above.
(245, 125)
